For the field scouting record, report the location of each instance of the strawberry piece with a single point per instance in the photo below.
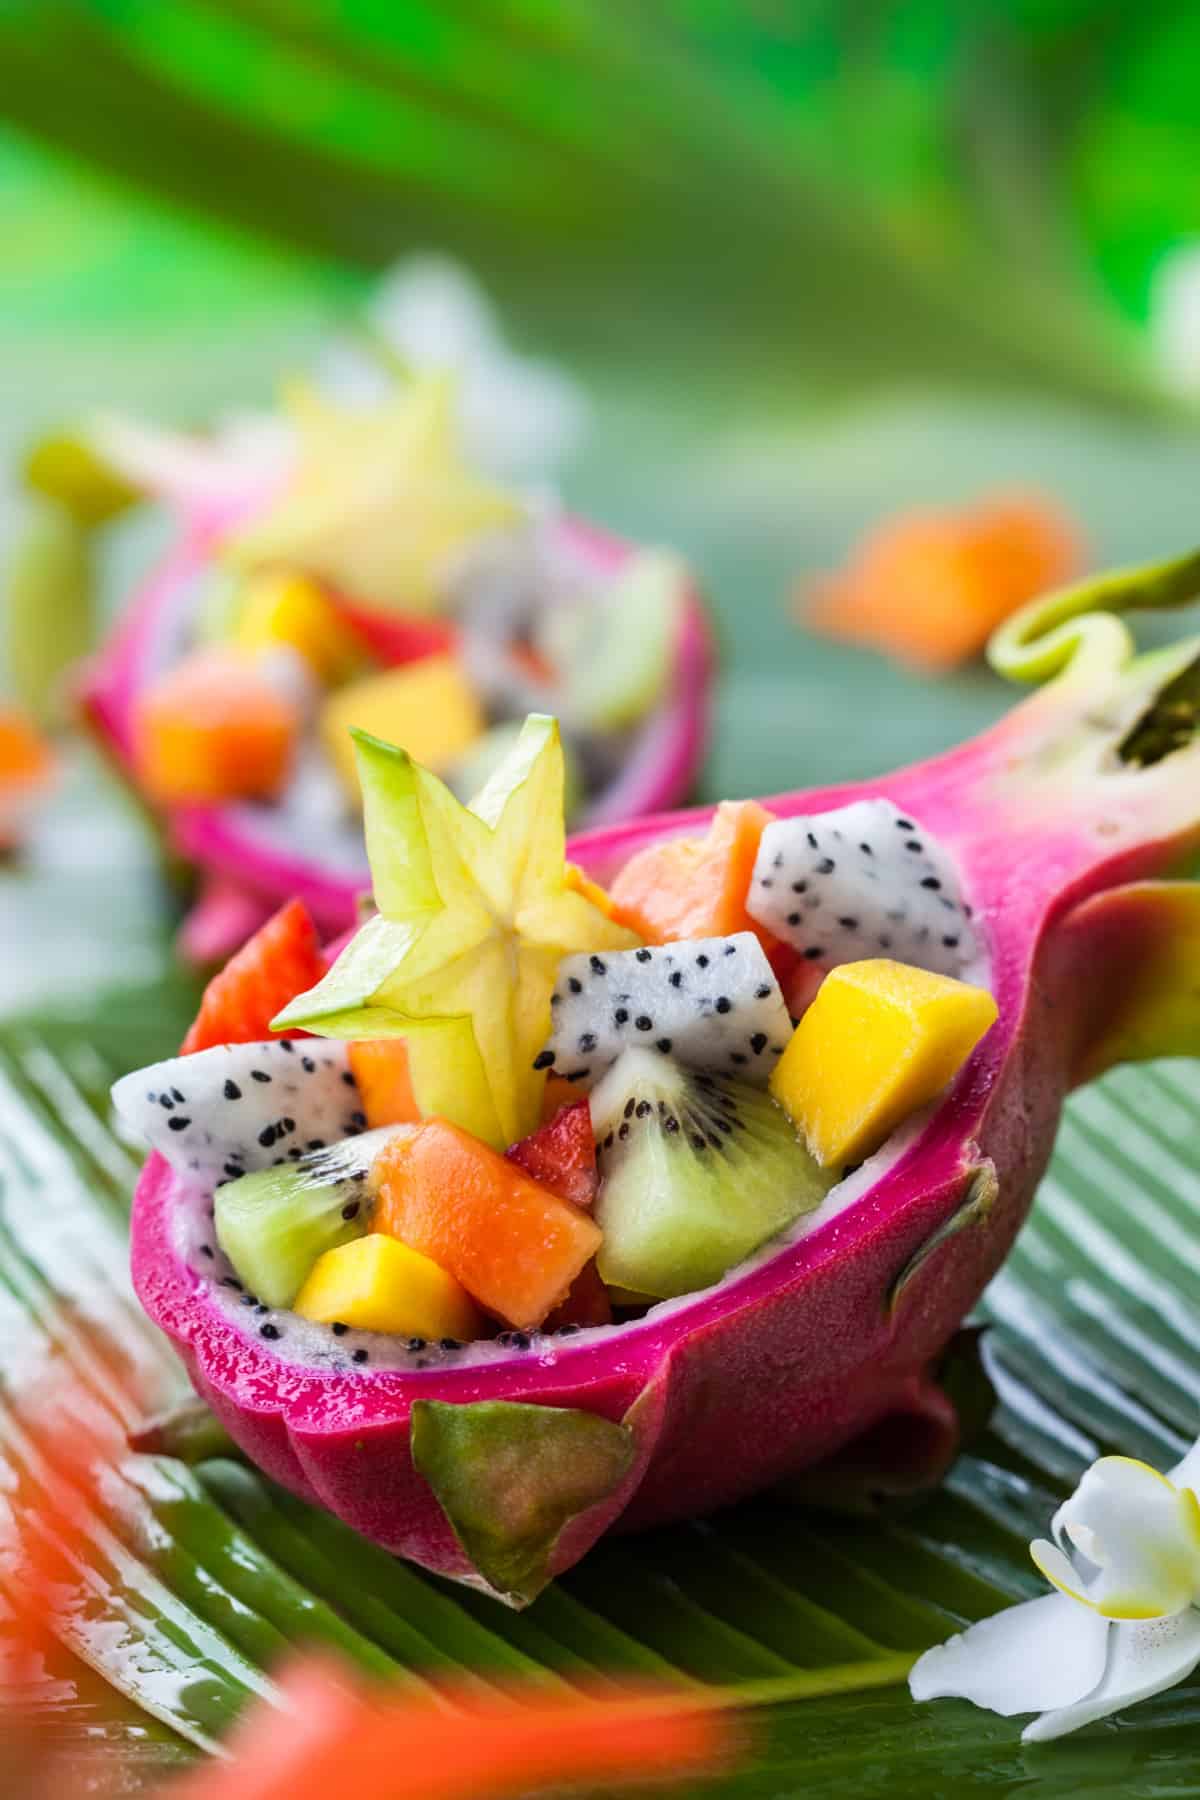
(281, 960)
(562, 1155)
(586, 1304)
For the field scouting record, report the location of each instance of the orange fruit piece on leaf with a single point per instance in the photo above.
(929, 587)
(334, 1735)
(691, 887)
(513, 1245)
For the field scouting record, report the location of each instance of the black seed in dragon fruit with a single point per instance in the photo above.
(224, 1112)
(712, 1003)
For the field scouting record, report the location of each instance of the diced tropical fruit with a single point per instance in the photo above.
(586, 1304)
(690, 887)
(622, 655)
(428, 708)
(474, 918)
(380, 1067)
(379, 502)
(214, 727)
(273, 1224)
(281, 607)
(696, 1171)
(880, 1040)
(562, 1154)
(281, 960)
(515, 1246)
(377, 1283)
(559, 1092)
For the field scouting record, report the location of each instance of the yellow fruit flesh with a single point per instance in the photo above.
(428, 708)
(377, 1283)
(880, 1040)
(280, 608)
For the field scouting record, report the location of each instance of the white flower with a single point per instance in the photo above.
(1124, 1624)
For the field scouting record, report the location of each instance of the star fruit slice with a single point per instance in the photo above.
(379, 501)
(474, 917)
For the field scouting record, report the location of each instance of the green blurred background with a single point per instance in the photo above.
(809, 262)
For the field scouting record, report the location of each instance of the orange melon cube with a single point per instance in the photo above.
(516, 1247)
(380, 1067)
(214, 728)
(691, 887)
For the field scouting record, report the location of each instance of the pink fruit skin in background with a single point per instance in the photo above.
(247, 876)
(776, 1369)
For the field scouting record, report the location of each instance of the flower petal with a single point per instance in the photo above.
(1139, 1539)
(1046, 1653)
(1142, 1660)
(1186, 1474)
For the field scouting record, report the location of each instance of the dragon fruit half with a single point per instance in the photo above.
(252, 856)
(501, 1463)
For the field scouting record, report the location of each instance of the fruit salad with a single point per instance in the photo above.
(601, 1183)
(375, 580)
(516, 1103)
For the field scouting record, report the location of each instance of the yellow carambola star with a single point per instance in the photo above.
(379, 501)
(474, 916)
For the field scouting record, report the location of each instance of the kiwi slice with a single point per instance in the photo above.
(697, 1170)
(619, 658)
(274, 1223)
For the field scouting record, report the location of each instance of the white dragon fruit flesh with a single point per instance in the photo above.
(865, 880)
(220, 1113)
(713, 1003)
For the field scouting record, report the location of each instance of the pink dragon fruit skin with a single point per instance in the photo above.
(794, 1357)
(244, 875)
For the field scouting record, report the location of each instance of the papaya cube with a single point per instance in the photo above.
(880, 1040)
(383, 1285)
(516, 1247)
(280, 607)
(213, 727)
(429, 708)
(689, 887)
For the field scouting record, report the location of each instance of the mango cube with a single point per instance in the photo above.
(880, 1040)
(384, 1081)
(279, 607)
(428, 707)
(377, 1283)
